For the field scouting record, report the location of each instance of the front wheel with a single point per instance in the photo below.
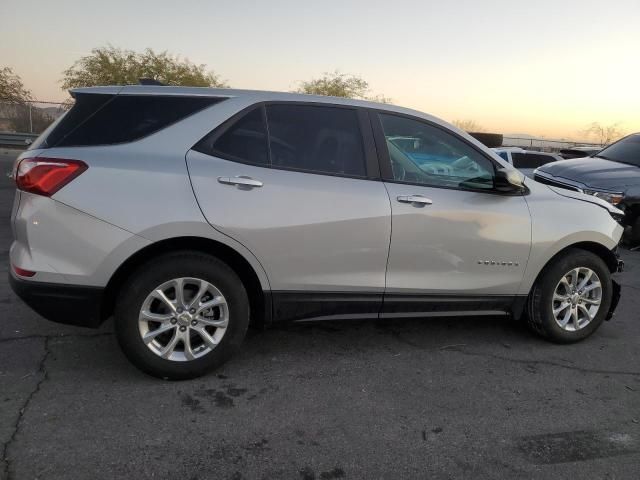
(181, 315)
(571, 298)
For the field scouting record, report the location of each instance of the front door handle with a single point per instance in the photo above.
(240, 181)
(419, 199)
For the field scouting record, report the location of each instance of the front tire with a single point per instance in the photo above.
(571, 297)
(181, 315)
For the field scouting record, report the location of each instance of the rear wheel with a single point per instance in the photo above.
(571, 298)
(181, 315)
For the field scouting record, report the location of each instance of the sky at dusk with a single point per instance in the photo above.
(539, 67)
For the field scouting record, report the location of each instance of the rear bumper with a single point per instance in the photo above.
(69, 304)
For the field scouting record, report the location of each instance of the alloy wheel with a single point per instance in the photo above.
(183, 319)
(576, 299)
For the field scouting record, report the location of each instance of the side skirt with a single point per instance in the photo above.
(291, 306)
(294, 306)
(415, 305)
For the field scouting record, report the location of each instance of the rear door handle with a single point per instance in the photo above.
(419, 199)
(240, 181)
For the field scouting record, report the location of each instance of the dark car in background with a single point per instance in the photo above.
(612, 174)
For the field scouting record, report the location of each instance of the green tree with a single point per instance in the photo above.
(16, 106)
(337, 84)
(114, 66)
(12, 89)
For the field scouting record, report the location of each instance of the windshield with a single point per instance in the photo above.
(626, 150)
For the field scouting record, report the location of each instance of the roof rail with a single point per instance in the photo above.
(150, 81)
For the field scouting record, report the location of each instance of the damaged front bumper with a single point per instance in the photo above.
(615, 295)
(615, 299)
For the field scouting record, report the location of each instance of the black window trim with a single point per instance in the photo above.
(385, 161)
(372, 165)
(212, 137)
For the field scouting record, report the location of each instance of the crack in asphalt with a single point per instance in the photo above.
(523, 361)
(48, 337)
(546, 362)
(16, 428)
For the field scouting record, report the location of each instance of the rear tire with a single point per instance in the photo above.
(553, 291)
(192, 341)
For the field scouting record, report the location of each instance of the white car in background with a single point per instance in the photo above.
(526, 160)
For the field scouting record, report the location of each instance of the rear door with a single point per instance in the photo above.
(298, 184)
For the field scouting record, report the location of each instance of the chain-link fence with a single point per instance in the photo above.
(29, 117)
(543, 144)
(33, 117)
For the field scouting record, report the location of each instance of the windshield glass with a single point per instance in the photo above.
(626, 150)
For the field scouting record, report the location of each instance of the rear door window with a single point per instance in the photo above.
(245, 140)
(313, 138)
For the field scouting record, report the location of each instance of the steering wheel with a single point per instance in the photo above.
(437, 168)
(466, 164)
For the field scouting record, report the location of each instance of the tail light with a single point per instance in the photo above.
(22, 272)
(45, 176)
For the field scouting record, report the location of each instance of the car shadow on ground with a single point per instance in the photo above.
(291, 344)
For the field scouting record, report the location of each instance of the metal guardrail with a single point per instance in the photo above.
(20, 140)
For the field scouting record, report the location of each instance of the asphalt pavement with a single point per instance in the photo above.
(439, 398)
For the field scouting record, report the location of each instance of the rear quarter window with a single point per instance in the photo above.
(98, 119)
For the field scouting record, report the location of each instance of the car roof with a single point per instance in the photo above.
(522, 150)
(508, 149)
(535, 152)
(257, 95)
(584, 148)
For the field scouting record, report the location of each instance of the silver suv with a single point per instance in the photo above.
(188, 213)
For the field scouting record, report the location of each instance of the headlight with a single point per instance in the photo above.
(614, 198)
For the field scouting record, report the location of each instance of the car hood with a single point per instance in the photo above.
(587, 198)
(595, 172)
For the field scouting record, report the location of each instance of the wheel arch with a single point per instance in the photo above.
(259, 297)
(609, 257)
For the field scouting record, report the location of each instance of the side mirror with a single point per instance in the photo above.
(509, 180)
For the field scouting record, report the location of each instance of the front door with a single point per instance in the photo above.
(457, 244)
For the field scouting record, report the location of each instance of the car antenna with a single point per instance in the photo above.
(150, 81)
